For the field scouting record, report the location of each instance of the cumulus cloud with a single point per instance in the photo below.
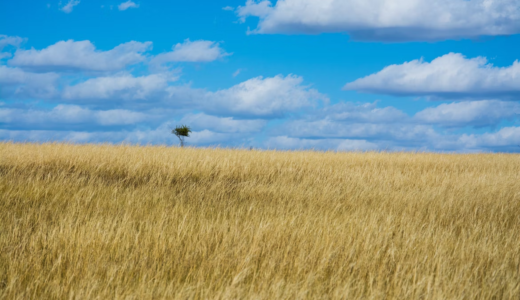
(351, 126)
(361, 113)
(505, 139)
(255, 98)
(364, 121)
(76, 136)
(329, 135)
(320, 129)
(16, 83)
(119, 87)
(69, 6)
(5, 41)
(264, 97)
(448, 76)
(472, 113)
(110, 103)
(126, 5)
(10, 41)
(63, 115)
(361, 129)
(81, 55)
(188, 51)
(388, 20)
(260, 9)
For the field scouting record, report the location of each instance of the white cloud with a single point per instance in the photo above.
(63, 115)
(82, 55)
(237, 72)
(506, 139)
(258, 97)
(218, 124)
(244, 114)
(448, 76)
(387, 127)
(330, 133)
(119, 87)
(362, 127)
(126, 5)
(471, 113)
(69, 6)
(384, 131)
(259, 9)
(5, 41)
(387, 19)
(69, 136)
(188, 51)
(17, 83)
(361, 113)
(228, 8)
(264, 97)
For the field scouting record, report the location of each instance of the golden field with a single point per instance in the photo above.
(129, 222)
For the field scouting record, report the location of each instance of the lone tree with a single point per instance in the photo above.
(181, 132)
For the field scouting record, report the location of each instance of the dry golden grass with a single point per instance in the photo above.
(126, 222)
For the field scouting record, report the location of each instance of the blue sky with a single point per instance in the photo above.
(412, 75)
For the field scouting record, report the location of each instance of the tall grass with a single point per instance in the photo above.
(127, 222)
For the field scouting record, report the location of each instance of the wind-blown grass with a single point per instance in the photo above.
(127, 222)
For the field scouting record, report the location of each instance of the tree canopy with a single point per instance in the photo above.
(181, 132)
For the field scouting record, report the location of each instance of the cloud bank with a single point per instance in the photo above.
(71, 91)
(387, 20)
(188, 51)
(471, 113)
(449, 76)
(6, 40)
(63, 115)
(82, 55)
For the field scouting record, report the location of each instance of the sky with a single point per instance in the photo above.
(332, 75)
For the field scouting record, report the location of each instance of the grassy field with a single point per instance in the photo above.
(127, 222)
